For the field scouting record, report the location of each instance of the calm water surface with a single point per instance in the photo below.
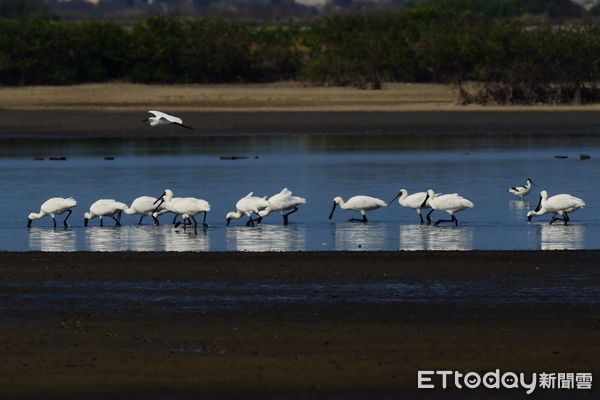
(318, 168)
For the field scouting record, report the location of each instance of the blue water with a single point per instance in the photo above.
(479, 167)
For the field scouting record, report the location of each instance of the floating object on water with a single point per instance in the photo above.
(584, 157)
(109, 158)
(54, 206)
(38, 158)
(57, 158)
(161, 118)
(561, 156)
(233, 158)
(522, 190)
(560, 204)
(449, 203)
(362, 204)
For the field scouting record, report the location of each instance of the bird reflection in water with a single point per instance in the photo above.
(562, 237)
(267, 238)
(371, 236)
(52, 239)
(106, 239)
(519, 205)
(189, 239)
(420, 237)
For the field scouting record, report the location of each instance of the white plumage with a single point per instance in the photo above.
(105, 208)
(247, 206)
(53, 207)
(187, 207)
(145, 206)
(283, 201)
(416, 201)
(362, 204)
(522, 190)
(560, 204)
(161, 118)
(449, 203)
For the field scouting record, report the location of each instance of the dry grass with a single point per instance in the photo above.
(284, 96)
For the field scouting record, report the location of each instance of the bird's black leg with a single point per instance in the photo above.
(155, 220)
(117, 223)
(364, 218)
(101, 223)
(141, 218)
(285, 216)
(250, 221)
(553, 219)
(119, 217)
(446, 220)
(194, 218)
(421, 218)
(428, 216)
(174, 219)
(204, 221)
(66, 218)
(455, 220)
(54, 221)
(566, 218)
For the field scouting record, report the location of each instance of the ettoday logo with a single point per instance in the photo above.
(507, 380)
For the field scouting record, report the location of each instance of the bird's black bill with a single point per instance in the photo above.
(159, 204)
(146, 120)
(425, 201)
(183, 125)
(332, 210)
(228, 221)
(29, 223)
(529, 218)
(161, 197)
(391, 201)
(85, 222)
(539, 205)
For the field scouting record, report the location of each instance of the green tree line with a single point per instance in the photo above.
(508, 61)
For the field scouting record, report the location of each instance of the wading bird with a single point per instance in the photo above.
(53, 207)
(415, 202)
(282, 202)
(247, 206)
(161, 118)
(449, 203)
(187, 207)
(105, 208)
(521, 191)
(145, 206)
(560, 204)
(362, 204)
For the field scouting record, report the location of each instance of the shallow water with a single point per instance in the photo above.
(479, 167)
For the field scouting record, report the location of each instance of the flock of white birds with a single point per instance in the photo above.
(256, 208)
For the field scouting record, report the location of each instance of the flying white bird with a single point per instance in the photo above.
(521, 191)
(187, 207)
(415, 202)
(105, 208)
(560, 204)
(362, 204)
(161, 118)
(283, 201)
(145, 206)
(53, 207)
(247, 206)
(449, 203)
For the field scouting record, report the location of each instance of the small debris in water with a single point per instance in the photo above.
(38, 158)
(109, 158)
(57, 158)
(233, 158)
(561, 156)
(584, 157)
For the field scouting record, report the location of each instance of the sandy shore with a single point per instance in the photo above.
(116, 109)
(54, 346)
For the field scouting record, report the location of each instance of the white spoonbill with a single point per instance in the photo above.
(449, 203)
(560, 204)
(161, 118)
(247, 206)
(362, 204)
(283, 201)
(105, 208)
(145, 206)
(522, 190)
(414, 201)
(53, 207)
(187, 207)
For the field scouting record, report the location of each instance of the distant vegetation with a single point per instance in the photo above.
(492, 59)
